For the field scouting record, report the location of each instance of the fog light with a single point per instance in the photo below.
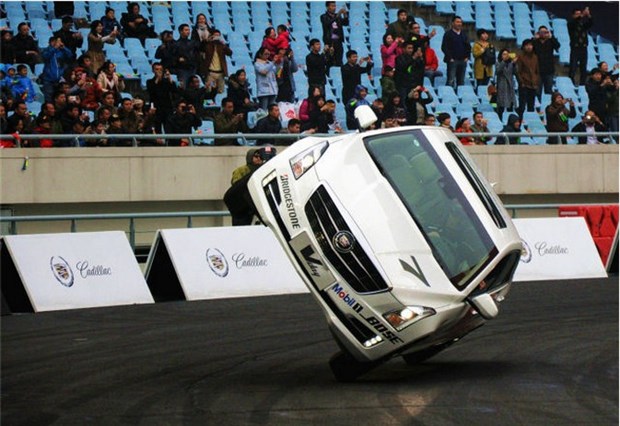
(372, 342)
(402, 318)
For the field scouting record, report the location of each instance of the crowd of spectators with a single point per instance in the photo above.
(86, 95)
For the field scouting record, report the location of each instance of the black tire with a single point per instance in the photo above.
(346, 368)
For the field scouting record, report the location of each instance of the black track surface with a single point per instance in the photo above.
(550, 358)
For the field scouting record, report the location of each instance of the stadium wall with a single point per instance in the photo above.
(136, 180)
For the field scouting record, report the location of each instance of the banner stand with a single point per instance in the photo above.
(161, 276)
(14, 296)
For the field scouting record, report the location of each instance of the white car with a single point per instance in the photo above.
(396, 233)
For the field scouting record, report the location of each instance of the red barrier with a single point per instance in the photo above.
(602, 222)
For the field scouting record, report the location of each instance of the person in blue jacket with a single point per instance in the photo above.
(56, 57)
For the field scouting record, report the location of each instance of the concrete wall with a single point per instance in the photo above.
(135, 180)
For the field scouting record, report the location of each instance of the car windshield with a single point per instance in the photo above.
(423, 182)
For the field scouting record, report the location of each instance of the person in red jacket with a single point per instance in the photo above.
(273, 41)
(431, 63)
(90, 91)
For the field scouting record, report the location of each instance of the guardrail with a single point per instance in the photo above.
(132, 217)
(251, 138)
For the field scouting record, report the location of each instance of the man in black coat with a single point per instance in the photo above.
(71, 39)
(269, 124)
(333, 34)
(578, 33)
(161, 88)
(456, 49)
(317, 65)
(26, 47)
(544, 46)
(181, 122)
(352, 74)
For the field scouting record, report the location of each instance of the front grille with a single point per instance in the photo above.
(355, 266)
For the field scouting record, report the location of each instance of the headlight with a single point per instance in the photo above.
(304, 161)
(404, 317)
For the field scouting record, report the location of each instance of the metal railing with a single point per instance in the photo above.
(132, 217)
(251, 138)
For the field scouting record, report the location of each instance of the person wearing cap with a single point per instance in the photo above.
(557, 116)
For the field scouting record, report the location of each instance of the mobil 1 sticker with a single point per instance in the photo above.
(311, 261)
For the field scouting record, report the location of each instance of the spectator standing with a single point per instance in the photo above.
(400, 27)
(71, 39)
(390, 49)
(484, 58)
(505, 72)
(409, 72)
(597, 89)
(480, 125)
(161, 88)
(590, 124)
(95, 44)
(284, 76)
(239, 93)
(182, 122)
(527, 74)
(110, 81)
(185, 52)
(557, 116)
(419, 40)
(56, 57)
(544, 46)
(578, 33)
(214, 67)
(7, 48)
(456, 49)
(416, 105)
(266, 83)
(269, 124)
(202, 30)
(229, 121)
(317, 64)
(352, 74)
(110, 23)
(333, 24)
(26, 47)
(165, 51)
(135, 25)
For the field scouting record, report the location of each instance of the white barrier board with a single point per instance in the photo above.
(557, 249)
(236, 261)
(78, 270)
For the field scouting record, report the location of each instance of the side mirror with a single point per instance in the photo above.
(485, 305)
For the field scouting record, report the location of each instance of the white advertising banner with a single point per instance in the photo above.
(77, 270)
(234, 261)
(557, 249)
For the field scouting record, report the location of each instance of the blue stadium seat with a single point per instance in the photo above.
(96, 10)
(483, 13)
(444, 7)
(206, 128)
(539, 18)
(465, 11)
(447, 95)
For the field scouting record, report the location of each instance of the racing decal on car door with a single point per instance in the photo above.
(311, 261)
(415, 271)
